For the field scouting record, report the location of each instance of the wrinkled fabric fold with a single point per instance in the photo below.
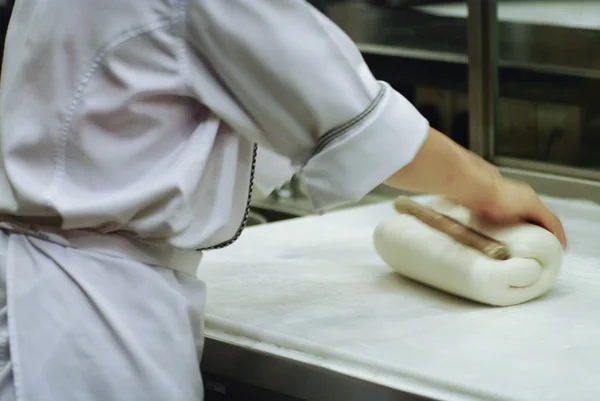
(69, 308)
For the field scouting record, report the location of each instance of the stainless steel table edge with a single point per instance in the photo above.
(291, 377)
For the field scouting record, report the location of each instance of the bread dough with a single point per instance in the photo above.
(426, 255)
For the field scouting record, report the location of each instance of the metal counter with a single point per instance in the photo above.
(263, 376)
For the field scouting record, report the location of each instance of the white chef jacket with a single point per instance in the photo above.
(142, 116)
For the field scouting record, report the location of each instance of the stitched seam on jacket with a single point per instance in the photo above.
(182, 55)
(83, 82)
(343, 129)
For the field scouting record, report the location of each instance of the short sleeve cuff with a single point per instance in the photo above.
(353, 159)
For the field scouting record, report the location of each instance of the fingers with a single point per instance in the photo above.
(557, 229)
(545, 218)
(523, 205)
(517, 202)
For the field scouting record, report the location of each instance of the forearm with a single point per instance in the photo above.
(443, 167)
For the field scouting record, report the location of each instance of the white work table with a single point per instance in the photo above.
(313, 293)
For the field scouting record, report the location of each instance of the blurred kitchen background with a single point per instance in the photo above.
(548, 56)
(548, 66)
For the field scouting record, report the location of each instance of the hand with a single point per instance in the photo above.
(442, 167)
(512, 202)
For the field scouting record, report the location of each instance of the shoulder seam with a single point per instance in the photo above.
(182, 52)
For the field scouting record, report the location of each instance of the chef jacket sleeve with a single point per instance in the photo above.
(283, 75)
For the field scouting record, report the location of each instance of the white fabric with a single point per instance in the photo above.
(7, 388)
(86, 325)
(272, 171)
(315, 290)
(137, 120)
(428, 256)
(139, 116)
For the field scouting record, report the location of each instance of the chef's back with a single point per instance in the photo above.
(100, 128)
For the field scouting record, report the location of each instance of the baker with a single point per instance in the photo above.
(128, 132)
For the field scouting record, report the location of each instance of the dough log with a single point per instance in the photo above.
(430, 257)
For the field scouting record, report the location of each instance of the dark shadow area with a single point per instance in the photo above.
(5, 12)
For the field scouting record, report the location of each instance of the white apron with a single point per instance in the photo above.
(80, 324)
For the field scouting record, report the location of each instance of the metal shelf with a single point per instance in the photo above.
(421, 33)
